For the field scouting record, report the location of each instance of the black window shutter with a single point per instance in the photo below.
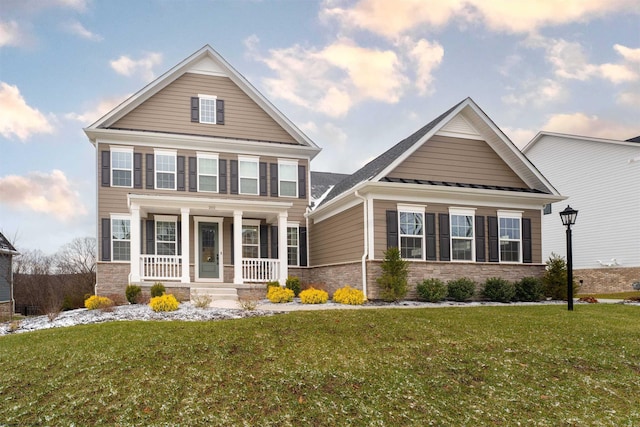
(233, 252)
(180, 168)
(263, 179)
(137, 170)
(480, 252)
(106, 239)
(233, 165)
(392, 229)
(222, 176)
(274, 179)
(179, 237)
(219, 111)
(431, 236)
(445, 249)
(193, 174)
(149, 171)
(195, 109)
(151, 237)
(494, 255)
(302, 181)
(264, 241)
(302, 242)
(106, 168)
(527, 255)
(274, 241)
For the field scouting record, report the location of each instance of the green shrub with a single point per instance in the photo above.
(157, 290)
(394, 276)
(348, 295)
(293, 283)
(461, 289)
(164, 303)
(313, 296)
(529, 289)
(432, 290)
(497, 289)
(554, 280)
(273, 284)
(133, 293)
(96, 302)
(280, 294)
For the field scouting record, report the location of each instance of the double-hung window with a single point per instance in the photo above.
(166, 235)
(248, 175)
(510, 232)
(207, 109)
(121, 167)
(292, 245)
(165, 169)
(208, 172)
(250, 240)
(287, 178)
(411, 225)
(120, 238)
(462, 234)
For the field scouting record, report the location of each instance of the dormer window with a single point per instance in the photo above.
(207, 109)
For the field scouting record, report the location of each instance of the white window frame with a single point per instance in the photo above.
(296, 246)
(256, 162)
(126, 150)
(208, 156)
(509, 215)
(202, 98)
(168, 153)
(166, 218)
(251, 223)
(287, 163)
(463, 212)
(120, 217)
(413, 210)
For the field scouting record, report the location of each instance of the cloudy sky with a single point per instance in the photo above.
(355, 76)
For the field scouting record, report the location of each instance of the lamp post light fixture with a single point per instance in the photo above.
(568, 217)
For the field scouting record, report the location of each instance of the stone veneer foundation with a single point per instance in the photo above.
(607, 279)
(6, 309)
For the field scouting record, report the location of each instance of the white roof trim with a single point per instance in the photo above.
(542, 134)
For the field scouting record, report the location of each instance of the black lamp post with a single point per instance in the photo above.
(568, 217)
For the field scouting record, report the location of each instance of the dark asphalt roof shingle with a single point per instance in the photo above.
(5, 245)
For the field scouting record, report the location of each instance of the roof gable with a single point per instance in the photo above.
(6, 246)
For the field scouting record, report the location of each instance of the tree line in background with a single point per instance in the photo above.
(44, 284)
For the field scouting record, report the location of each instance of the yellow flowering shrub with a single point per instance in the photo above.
(348, 295)
(314, 296)
(164, 303)
(279, 294)
(95, 302)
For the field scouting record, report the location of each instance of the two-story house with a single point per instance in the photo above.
(200, 180)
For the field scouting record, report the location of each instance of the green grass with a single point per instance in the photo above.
(511, 365)
(617, 295)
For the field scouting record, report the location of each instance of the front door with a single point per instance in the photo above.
(209, 250)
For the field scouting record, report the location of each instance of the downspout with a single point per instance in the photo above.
(366, 243)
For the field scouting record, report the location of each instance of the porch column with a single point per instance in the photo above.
(237, 248)
(185, 245)
(282, 248)
(134, 245)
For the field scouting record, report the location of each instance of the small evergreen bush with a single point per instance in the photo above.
(394, 276)
(165, 302)
(279, 294)
(96, 302)
(293, 283)
(497, 289)
(555, 278)
(348, 295)
(157, 290)
(313, 296)
(273, 284)
(461, 289)
(432, 290)
(529, 289)
(133, 293)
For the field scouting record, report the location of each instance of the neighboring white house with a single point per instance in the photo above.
(601, 177)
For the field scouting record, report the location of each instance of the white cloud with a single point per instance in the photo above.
(520, 137)
(593, 126)
(100, 109)
(630, 98)
(50, 194)
(39, 5)
(17, 118)
(629, 54)
(142, 67)
(78, 29)
(427, 56)
(536, 92)
(10, 34)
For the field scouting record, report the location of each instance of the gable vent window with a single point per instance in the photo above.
(207, 109)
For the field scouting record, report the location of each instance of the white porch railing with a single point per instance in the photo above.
(260, 269)
(160, 267)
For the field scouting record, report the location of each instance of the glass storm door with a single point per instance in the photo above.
(209, 265)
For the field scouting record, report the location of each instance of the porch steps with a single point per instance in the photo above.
(217, 293)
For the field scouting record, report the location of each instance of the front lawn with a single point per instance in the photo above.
(511, 365)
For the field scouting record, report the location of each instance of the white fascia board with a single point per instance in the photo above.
(542, 134)
(194, 142)
(146, 201)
